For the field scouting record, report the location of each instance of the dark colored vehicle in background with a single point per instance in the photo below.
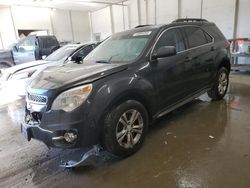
(28, 49)
(124, 84)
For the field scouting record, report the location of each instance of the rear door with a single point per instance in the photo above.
(201, 53)
(172, 74)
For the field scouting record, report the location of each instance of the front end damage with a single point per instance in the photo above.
(62, 130)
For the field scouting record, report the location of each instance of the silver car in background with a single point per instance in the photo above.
(15, 80)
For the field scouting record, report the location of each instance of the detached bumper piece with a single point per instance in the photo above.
(88, 157)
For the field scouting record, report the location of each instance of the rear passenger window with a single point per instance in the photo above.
(171, 37)
(208, 37)
(196, 36)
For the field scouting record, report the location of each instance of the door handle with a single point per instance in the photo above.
(213, 48)
(188, 59)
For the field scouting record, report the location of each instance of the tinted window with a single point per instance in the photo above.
(28, 44)
(84, 51)
(48, 42)
(196, 36)
(62, 53)
(208, 37)
(171, 37)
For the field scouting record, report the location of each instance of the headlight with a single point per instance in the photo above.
(22, 75)
(72, 98)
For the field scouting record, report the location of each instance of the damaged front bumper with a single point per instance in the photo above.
(57, 128)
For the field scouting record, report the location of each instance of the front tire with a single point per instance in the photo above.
(219, 90)
(125, 127)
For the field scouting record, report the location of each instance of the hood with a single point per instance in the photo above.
(5, 54)
(23, 66)
(4, 51)
(73, 74)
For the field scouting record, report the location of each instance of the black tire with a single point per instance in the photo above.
(113, 127)
(219, 90)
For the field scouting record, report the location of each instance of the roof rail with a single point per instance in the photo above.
(190, 20)
(138, 26)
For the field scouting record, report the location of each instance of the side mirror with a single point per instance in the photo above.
(78, 59)
(164, 51)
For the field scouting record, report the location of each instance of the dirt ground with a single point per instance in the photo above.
(202, 144)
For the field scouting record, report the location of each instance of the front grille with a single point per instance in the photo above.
(37, 98)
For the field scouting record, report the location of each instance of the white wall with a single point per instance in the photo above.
(31, 18)
(101, 22)
(7, 32)
(55, 22)
(222, 13)
(190, 8)
(118, 18)
(133, 13)
(61, 25)
(81, 26)
(243, 29)
(219, 11)
(167, 11)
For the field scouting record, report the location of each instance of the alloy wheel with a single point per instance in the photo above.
(129, 128)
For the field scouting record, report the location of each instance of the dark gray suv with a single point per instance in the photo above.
(123, 85)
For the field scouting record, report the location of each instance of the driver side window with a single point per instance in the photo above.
(83, 52)
(27, 44)
(171, 37)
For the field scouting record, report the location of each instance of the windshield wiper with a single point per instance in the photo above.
(107, 61)
(102, 61)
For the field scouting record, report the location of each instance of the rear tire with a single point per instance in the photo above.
(125, 127)
(219, 90)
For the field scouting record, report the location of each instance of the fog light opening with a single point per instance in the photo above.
(70, 136)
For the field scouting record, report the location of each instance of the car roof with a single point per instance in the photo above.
(178, 22)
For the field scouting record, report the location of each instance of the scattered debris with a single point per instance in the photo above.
(157, 175)
(165, 142)
(234, 103)
(210, 136)
(90, 157)
(175, 136)
(169, 133)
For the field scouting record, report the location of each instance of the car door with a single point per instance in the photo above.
(172, 74)
(201, 55)
(25, 50)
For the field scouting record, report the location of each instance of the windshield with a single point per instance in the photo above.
(62, 53)
(120, 48)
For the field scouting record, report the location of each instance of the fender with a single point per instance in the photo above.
(118, 90)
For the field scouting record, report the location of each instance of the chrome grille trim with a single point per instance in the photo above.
(39, 99)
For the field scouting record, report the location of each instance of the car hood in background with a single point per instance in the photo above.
(23, 66)
(73, 74)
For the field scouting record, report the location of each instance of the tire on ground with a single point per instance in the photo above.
(111, 121)
(214, 93)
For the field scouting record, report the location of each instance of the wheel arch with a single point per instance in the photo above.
(225, 62)
(132, 95)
